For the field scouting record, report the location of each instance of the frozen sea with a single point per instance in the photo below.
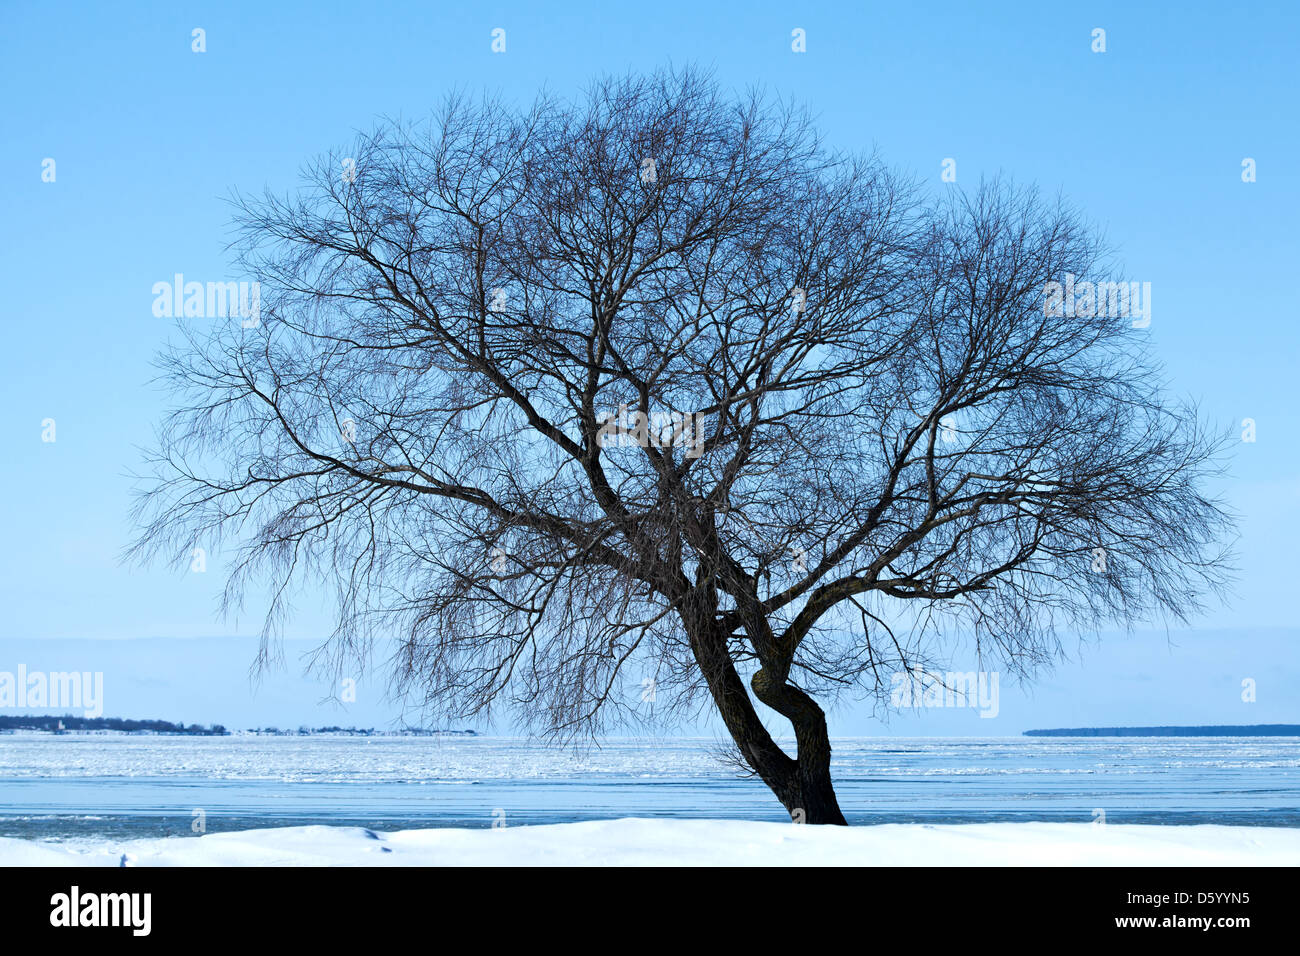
(74, 786)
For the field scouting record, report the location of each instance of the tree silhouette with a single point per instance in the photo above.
(653, 399)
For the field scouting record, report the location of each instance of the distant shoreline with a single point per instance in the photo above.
(69, 724)
(1223, 730)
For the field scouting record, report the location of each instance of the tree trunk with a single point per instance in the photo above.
(772, 764)
(815, 793)
(818, 793)
(804, 785)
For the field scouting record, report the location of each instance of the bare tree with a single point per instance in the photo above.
(656, 391)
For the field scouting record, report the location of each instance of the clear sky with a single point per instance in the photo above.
(147, 136)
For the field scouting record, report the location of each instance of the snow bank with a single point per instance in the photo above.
(640, 842)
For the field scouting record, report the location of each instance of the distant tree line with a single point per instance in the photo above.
(359, 731)
(1231, 730)
(56, 723)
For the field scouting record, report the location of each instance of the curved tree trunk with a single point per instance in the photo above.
(816, 793)
(802, 785)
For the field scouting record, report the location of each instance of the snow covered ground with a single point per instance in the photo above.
(658, 842)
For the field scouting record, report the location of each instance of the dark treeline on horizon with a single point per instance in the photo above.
(1227, 730)
(61, 722)
(360, 732)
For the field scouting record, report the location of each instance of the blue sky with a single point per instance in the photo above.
(148, 136)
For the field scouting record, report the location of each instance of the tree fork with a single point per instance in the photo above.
(765, 757)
